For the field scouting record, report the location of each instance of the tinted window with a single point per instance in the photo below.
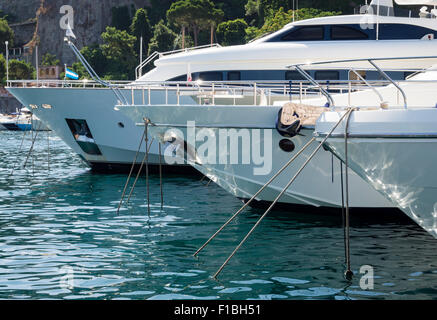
(388, 31)
(234, 76)
(347, 33)
(293, 75)
(211, 76)
(327, 75)
(180, 78)
(312, 33)
(82, 134)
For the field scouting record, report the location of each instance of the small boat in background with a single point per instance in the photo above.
(21, 120)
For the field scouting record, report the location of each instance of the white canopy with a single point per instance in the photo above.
(417, 2)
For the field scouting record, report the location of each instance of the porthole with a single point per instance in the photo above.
(121, 125)
(287, 145)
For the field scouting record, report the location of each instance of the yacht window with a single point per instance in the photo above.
(180, 78)
(353, 75)
(234, 75)
(211, 76)
(327, 75)
(310, 33)
(82, 134)
(293, 75)
(347, 33)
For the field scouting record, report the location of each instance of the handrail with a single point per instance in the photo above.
(368, 84)
(139, 68)
(299, 68)
(314, 82)
(385, 75)
(207, 93)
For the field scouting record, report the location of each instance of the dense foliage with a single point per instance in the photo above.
(19, 70)
(175, 24)
(49, 60)
(6, 34)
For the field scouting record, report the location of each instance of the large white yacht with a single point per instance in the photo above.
(211, 135)
(82, 114)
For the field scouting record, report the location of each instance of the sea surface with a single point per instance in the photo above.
(61, 238)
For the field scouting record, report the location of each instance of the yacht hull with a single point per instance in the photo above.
(116, 136)
(318, 185)
(396, 152)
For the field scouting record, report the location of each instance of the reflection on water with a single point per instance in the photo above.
(60, 237)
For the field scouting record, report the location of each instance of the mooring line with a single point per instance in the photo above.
(140, 169)
(130, 172)
(147, 121)
(31, 151)
(138, 174)
(31, 146)
(48, 151)
(160, 176)
(19, 149)
(280, 195)
(254, 196)
(348, 273)
(343, 214)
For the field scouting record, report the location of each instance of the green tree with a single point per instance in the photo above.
(121, 18)
(258, 11)
(163, 38)
(232, 32)
(6, 34)
(94, 55)
(213, 18)
(159, 9)
(119, 49)
(232, 9)
(281, 18)
(140, 27)
(20, 70)
(49, 60)
(194, 15)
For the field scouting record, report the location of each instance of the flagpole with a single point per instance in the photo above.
(65, 74)
(37, 67)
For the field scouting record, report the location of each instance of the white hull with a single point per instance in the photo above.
(396, 152)
(318, 185)
(118, 145)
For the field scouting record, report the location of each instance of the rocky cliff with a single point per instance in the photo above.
(91, 17)
(36, 22)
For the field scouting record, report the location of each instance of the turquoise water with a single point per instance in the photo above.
(60, 238)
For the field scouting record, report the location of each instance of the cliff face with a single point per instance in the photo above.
(20, 10)
(37, 22)
(90, 19)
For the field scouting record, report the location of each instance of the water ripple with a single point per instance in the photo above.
(60, 238)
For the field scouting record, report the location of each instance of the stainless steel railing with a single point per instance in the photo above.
(206, 93)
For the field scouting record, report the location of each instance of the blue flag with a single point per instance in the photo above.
(71, 74)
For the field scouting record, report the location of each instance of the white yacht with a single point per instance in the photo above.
(394, 149)
(82, 108)
(195, 128)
